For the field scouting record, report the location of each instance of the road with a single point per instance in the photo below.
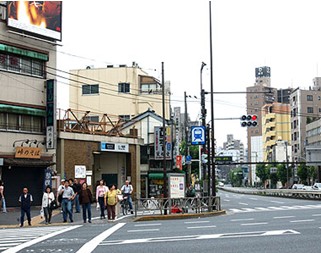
(252, 224)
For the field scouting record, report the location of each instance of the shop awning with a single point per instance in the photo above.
(24, 162)
(156, 175)
(22, 110)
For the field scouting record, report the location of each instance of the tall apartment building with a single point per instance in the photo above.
(117, 90)
(27, 62)
(276, 126)
(305, 108)
(257, 96)
(233, 144)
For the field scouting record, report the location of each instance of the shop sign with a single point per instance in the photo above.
(179, 162)
(114, 147)
(176, 184)
(159, 145)
(80, 171)
(27, 152)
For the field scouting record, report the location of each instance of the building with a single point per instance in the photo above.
(27, 73)
(275, 126)
(257, 96)
(117, 90)
(233, 144)
(305, 108)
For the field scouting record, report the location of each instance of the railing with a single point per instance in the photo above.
(287, 193)
(161, 206)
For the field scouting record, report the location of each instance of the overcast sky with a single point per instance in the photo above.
(282, 34)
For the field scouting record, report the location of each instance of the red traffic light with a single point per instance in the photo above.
(254, 117)
(249, 120)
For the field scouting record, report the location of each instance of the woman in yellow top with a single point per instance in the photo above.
(111, 201)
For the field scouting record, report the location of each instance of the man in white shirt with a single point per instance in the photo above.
(127, 190)
(67, 196)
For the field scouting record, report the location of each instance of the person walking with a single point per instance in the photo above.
(77, 188)
(2, 199)
(47, 199)
(100, 194)
(110, 201)
(25, 200)
(85, 199)
(127, 190)
(67, 197)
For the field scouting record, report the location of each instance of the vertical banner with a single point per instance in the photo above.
(179, 162)
(159, 145)
(51, 125)
(176, 183)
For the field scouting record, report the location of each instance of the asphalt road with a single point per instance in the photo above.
(252, 224)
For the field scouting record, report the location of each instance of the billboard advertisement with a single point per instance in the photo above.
(42, 18)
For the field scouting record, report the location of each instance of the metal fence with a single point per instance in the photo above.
(161, 206)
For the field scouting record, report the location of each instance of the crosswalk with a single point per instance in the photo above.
(17, 237)
(273, 208)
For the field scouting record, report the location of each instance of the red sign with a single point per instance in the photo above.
(179, 162)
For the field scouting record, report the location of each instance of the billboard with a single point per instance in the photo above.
(42, 18)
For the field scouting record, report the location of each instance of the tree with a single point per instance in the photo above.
(236, 176)
(282, 173)
(262, 172)
(303, 173)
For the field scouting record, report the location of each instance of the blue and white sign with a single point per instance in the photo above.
(198, 135)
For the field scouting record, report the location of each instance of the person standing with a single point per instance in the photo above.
(127, 190)
(100, 194)
(110, 201)
(77, 188)
(47, 198)
(2, 199)
(67, 197)
(85, 199)
(25, 200)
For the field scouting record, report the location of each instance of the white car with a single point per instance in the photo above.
(307, 188)
(298, 186)
(316, 186)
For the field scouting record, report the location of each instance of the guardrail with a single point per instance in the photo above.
(160, 206)
(286, 193)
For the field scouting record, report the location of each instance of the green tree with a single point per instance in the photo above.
(303, 173)
(236, 177)
(262, 172)
(282, 173)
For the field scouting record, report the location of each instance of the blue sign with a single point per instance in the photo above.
(198, 135)
(188, 159)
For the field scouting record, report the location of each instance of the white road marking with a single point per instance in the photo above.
(226, 200)
(202, 237)
(196, 222)
(213, 226)
(278, 202)
(283, 217)
(253, 198)
(93, 243)
(242, 219)
(147, 225)
(254, 224)
(297, 221)
(244, 204)
(143, 230)
(38, 239)
(315, 215)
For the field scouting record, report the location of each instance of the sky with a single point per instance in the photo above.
(282, 34)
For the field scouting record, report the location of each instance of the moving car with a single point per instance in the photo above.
(298, 186)
(316, 186)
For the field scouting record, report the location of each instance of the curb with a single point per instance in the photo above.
(178, 216)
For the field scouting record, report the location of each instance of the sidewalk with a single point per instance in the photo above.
(11, 218)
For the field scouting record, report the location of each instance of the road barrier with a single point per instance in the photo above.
(286, 193)
(162, 206)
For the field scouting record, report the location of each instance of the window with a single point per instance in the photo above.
(124, 117)
(93, 118)
(124, 87)
(149, 88)
(310, 110)
(22, 123)
(22, 65)
(90, 89)
(309, 98)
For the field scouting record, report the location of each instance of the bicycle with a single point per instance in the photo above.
(125, 205)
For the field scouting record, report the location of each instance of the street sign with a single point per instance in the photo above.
(188, 159)
(198, 135)
(223, 159)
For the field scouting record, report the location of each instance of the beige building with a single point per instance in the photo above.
(276, 126)
(305, 108)
(119, 91)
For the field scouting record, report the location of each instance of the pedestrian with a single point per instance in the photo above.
(119, 199)
(100, 194)
(110, 201)
(127, 190)
(2, 199)
(77, 188)
(67, 197)
(85, 199)
(25, 200)
(71, 184)
(47, 198)
(60, 187)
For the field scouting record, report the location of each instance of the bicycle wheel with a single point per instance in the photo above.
(125, 208)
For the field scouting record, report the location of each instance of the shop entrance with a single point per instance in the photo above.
(111, 179)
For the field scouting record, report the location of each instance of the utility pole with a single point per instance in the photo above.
(164, 137)
(187, 152)
(203, 113)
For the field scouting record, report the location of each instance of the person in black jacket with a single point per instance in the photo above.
(25, 200)
(85, 199)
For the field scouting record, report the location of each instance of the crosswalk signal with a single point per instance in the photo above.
(249, 120)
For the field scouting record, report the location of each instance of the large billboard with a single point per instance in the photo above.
(42, 18)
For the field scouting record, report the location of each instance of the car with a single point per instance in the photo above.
(298, 186)
(307, 188)
(316, 186)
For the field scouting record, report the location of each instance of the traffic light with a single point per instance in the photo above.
(249, 120)
(204, 156)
